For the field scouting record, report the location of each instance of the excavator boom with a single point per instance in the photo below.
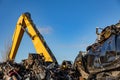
(25, 24)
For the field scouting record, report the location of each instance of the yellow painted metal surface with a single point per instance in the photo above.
(25, 24)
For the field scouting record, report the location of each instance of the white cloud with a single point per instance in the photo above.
(45, 30)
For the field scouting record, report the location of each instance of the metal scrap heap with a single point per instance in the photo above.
(35, 68)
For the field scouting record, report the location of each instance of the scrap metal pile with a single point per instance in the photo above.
(35, 68)
(102, 59)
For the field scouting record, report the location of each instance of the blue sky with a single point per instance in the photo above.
(68, 26)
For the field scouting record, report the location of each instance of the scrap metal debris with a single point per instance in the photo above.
(35, 68)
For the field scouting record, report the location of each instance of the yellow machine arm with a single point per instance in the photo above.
(25, 24)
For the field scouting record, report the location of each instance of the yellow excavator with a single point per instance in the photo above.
(25, 24)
